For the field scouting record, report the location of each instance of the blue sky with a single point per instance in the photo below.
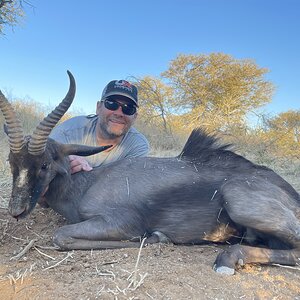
(99, 41)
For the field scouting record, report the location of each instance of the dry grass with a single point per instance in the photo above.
(5, 176)
(5, 187)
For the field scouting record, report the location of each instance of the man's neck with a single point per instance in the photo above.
(104, 139)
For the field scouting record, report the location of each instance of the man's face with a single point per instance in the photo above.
(115, 123)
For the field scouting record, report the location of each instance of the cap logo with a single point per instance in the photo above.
(123, 84)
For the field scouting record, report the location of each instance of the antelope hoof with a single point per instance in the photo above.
(224, 270)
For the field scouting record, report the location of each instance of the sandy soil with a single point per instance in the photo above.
(163, 271)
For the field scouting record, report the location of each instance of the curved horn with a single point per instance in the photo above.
(14, 127)
(37, 143)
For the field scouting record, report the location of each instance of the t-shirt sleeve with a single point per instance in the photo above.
(137, 146)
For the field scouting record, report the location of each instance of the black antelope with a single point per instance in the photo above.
(206, 194)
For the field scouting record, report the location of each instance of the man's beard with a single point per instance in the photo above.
(112, 133)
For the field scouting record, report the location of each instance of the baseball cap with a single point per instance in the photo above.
(121, 88)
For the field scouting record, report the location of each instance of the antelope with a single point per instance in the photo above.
(206, 194)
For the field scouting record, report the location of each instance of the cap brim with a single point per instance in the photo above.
(120, 94)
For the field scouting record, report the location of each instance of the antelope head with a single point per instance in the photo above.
(35, 160)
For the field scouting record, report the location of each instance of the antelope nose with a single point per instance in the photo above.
(16, 212)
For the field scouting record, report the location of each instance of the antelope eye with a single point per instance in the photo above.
(44, 166)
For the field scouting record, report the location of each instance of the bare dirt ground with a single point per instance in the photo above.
(162, 272)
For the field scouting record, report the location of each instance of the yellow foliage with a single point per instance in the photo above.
(155, 100)
(285, 132)
(216, 89)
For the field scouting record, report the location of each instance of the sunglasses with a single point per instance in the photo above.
(113, 105)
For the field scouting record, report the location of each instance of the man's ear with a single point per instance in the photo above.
(135, 116)
(98, 107)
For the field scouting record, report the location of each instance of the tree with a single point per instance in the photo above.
(284, 130)
(216, 91)
(155, 112)
(287, 122)
(155, 98)
(10, 13)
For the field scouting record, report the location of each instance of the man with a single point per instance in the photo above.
(112, 125)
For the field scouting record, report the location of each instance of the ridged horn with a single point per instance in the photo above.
(13, 125)
(38, 141)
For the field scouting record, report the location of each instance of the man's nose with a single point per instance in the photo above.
(119, 111)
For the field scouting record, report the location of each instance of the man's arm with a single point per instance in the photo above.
(139, 150)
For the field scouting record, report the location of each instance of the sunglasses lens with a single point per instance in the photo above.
(127, 109)
(111, 105)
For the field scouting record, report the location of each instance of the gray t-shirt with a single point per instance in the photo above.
(82, 130)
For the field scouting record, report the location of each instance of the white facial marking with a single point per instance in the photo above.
(23, 178)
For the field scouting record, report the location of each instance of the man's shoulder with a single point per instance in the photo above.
(133, 133)
(74, 130)
(77, 122)
(136, 143)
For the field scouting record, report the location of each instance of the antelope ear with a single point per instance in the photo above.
(81, 150)
(60, 169)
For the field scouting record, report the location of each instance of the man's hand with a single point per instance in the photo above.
(78, 163)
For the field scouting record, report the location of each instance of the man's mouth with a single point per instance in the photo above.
(121, 122)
